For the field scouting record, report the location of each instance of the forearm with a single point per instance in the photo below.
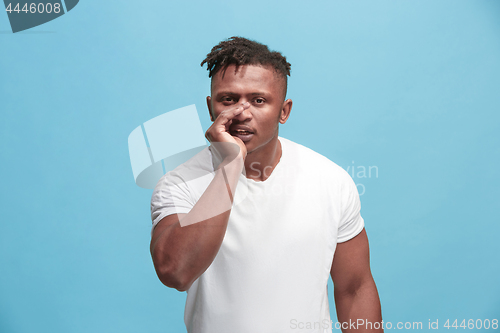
(184, 250)
(359, 310)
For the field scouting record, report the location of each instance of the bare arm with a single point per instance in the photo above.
(356, 296)
(184, 245)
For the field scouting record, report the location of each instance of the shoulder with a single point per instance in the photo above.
(197, 166)
(314, 162)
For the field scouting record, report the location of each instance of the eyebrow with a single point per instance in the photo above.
(233, 93)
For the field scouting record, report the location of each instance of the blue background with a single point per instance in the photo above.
(411, 87)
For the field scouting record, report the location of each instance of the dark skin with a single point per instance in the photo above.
(183, 246)
(355, 292)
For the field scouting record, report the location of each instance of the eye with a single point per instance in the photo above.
(259, 100)
(227, 99)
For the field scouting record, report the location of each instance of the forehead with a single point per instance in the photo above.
(247, 77)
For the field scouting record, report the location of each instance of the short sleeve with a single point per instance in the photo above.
(170, 196)
(351, 222)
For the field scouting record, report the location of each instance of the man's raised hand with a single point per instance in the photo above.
(226, 145)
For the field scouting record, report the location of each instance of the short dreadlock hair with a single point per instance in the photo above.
(241, 51)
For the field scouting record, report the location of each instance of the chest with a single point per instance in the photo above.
(284, 216)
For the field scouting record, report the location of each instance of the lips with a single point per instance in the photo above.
(243, 132)
(240, 129)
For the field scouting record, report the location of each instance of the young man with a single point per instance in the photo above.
(253, 226)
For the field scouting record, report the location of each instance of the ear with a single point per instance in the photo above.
(285, 111)
(209, 104)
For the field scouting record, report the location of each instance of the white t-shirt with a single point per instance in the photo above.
(271, 272)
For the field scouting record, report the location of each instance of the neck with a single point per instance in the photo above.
(260, 163)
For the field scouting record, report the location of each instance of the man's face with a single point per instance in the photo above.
(263, 89)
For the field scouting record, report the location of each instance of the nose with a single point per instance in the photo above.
(246, 114)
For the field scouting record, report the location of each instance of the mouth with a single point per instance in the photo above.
(243, 134)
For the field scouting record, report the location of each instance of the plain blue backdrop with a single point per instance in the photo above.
(410, 88)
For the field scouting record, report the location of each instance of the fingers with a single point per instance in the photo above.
(220, 127)
(227, 115)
